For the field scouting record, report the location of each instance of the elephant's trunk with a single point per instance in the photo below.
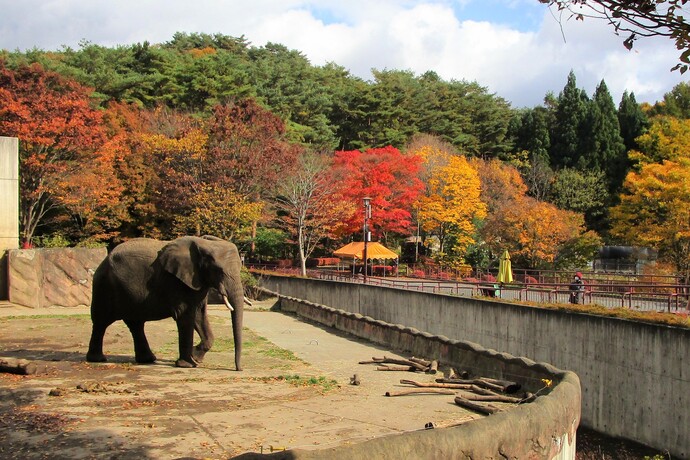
(234, 299)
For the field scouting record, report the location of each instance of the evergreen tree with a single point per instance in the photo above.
(603, 148)
(571, 111)
(529, 131)
(633, 121)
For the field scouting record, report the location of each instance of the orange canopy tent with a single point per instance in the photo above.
(374, 251)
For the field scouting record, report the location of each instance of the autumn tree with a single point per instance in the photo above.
(135, 168)
(653, 210)
(176, 147)
(535, 232)
(310, 204)
(450, 204)
(59, 133)
(248, 151)
(219, 211)
(386, 176)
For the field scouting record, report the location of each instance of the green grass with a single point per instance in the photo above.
(298, 381)
(75, 317)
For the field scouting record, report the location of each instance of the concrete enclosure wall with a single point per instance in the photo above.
(634, 376)
(543, 429)
(9, 204)
(53, 277)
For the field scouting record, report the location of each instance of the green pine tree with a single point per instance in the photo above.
(603, 148)
(571, 111)
(633, 121)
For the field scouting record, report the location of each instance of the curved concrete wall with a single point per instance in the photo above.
(634, 376)
(542, 429)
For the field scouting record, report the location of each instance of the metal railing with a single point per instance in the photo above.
(671, 298)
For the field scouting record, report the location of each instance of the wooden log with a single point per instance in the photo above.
(449, 423)
(397, 368)
(508, 386)
(457, 386)
(17, 366)
(417, 391)
(454, 375)
(491, 398)
(486, 409)
(421, 361)
(433, 367)
(404, 362)
(478, 382)
(482, 391)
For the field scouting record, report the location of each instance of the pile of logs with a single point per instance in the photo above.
(476, 394)
(399, 364)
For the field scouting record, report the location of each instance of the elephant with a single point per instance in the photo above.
(147, 280)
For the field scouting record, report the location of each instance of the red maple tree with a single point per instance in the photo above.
(59, 132)
(389, 178)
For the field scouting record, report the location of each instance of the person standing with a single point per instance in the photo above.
(577, 286)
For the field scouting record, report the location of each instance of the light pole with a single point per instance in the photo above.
(367, 235)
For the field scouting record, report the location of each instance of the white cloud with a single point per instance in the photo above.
(418, 35)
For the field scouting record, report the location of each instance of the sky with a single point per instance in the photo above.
(518, 49)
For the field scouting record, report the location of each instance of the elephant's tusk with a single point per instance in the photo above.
(227, 303)
(247, 301)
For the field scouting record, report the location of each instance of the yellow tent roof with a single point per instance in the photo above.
(374, 251)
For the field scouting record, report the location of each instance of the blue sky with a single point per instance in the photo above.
(515, 48)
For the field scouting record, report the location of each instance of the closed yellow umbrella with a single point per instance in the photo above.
(505, 271)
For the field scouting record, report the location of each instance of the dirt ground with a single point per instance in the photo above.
(294, 395)
(294, 392)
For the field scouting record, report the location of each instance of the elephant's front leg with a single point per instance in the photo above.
(203, 328)
(185, 335)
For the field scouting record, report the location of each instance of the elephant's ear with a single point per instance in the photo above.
(180, 257)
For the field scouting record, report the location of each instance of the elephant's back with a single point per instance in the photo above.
(132, 264)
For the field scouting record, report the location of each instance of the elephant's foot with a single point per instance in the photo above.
(185, 363)
(148, 358)
(198, 354)
(96, 357)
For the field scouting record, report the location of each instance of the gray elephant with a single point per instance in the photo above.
(146, 280)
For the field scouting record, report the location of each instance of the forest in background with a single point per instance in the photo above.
(208, 134)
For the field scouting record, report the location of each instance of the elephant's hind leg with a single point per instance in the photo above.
(142, 350)
(95, 353)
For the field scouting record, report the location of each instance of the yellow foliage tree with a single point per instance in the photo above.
(654, 210)
(451, 203)
(221, 212)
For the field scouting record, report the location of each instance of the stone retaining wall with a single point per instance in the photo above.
(542, 429)
(52, 277)
(634, 376)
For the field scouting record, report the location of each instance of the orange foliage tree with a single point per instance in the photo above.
(534, 232)
(61, 145)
